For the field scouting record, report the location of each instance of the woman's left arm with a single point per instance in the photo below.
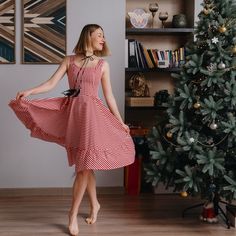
(108, 94)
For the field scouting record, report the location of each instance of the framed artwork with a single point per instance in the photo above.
(43, 31)
(7, 31)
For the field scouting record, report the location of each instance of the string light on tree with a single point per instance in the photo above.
(212, 29)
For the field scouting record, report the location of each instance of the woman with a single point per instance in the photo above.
(94, 136)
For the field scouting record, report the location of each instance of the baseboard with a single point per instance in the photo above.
(15, 192)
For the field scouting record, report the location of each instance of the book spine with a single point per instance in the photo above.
(132, 57)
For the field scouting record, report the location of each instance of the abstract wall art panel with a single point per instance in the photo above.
(44, 31)
(7, 31)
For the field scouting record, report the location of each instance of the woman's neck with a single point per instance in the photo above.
(89, 53)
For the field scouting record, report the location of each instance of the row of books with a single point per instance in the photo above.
(137, 55)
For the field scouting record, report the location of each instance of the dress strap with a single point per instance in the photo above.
(100, 63)
(72, 59)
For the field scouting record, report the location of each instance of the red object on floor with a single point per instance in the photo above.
(133, 177)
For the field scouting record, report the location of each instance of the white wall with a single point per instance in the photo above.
(198, 8)
(28, 162)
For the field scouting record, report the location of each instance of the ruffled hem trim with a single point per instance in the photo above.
(98, 159)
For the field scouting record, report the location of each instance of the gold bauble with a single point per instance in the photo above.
(234, 49)
(169, 134)
(222, 29)
(196, 105)
(183, 194)
(206, 11)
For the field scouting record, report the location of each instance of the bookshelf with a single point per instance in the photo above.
(153, 31)
(159, 38)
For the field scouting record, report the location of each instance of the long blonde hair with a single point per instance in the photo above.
(84, 41)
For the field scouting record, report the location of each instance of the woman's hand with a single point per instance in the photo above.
(126, 127)
(23, 94)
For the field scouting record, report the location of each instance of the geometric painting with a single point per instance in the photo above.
(44, 31)
(7, 31)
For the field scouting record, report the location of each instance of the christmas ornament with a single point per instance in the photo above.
(222, 66)
(212, 67)
(206, 11)
(196, 105)
(183, 194)
(234, 49)
(213, 126)
(215, 40)
(169, 134)
(191, 140)
(222, 29)
(209, 7)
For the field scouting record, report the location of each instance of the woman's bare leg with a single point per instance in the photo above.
(79, 187)
(94, 204)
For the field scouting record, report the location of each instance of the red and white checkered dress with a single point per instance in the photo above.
(92, 136)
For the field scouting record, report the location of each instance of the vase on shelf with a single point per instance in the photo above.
(163, 16)
(153, 8)
(179, 21)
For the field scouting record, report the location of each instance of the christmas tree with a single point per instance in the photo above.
(194, 150)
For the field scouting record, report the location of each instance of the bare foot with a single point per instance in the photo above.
(93, 214)
(73, 225)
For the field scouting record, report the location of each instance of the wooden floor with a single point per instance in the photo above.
(144, 215)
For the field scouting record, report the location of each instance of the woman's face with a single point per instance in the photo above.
(98, 39)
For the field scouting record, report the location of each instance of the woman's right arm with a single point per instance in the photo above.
(50, 83)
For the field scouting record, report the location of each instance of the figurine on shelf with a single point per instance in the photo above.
(138, 18)
(139, 86)
(161, 97)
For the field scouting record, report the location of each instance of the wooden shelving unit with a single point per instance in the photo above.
(152, 69)
(158, 31)
(158, 38)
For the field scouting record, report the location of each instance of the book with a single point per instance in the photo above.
(151, 57)
(132, 62)
(126, 53)
(148, 59)
(143, 55)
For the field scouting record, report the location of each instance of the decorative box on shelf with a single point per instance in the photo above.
(139, 101)
(138, 131)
